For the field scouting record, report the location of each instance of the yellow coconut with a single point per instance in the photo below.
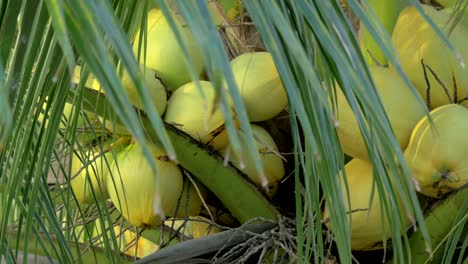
(366, 221)
(190, 201)
(134, 190)
(272, 163)
(415, 40)
(464, 103)
(156, 89)
(113, 125)
(164, 55)
(134, 245)
(88, 127)
(77, 75)
(437, 153)
(90, 170)
(128, 241)
(400, 105)
(198, 116)
(194, 227)
(259, 84)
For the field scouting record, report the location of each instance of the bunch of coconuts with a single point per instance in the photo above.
(436, 151)
(118, 170)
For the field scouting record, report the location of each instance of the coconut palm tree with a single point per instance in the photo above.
(316, 48)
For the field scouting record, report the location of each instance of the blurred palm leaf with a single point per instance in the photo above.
(313, 45)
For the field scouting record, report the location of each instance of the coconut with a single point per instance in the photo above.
(190, 201)
(415, 40)
(128, 240)
(77, 75)
(272, 163)
(164, 54)
(400, 104)
(141, 196)
(194, 227)
(133, 244)
(156, 89)
(437, 151)
(259, 84)
(113, 125)
(198, 116)
(90, 169)
(88, 126)
(366, 215)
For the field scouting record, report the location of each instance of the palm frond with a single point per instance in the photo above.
(5, 119)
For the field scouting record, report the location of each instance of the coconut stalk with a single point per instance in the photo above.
(184, 252)
(235, 190)
(386, 11)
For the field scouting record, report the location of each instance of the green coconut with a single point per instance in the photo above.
(272, 163)
(164, 55)
(260, 85)
(141, 196)
(415, 40)
(90, 169)
(198, 116)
